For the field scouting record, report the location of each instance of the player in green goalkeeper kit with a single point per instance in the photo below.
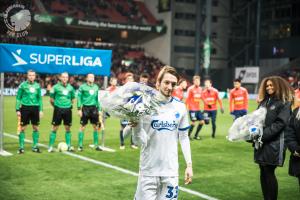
(29, 107)
(61, 97)
(88, 109)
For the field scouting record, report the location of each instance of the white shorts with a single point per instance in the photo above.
(157, 188)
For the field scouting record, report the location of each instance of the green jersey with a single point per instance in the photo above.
(29, 94)
(62, 95)
(88, 96)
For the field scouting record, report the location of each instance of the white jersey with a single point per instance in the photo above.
(159, 157)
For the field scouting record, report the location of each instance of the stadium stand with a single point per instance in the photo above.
(126, 58)
(137, 61)
(110, 10)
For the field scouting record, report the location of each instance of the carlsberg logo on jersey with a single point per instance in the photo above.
(46, 59)
(164, 125)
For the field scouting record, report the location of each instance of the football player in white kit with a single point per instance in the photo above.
(158, 136)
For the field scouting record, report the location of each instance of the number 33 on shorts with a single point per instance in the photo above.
(172, 192)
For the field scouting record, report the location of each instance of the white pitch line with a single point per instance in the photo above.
(125, 171)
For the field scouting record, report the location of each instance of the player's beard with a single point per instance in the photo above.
(166, 93)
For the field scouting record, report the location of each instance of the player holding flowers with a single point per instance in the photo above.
(158, 136)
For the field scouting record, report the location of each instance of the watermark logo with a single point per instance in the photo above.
(17, 19)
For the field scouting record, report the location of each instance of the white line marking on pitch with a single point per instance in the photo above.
(125, 171)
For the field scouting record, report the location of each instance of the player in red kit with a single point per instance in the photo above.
(238, 100)
(179, 90)
(193, 101)
(210, 97)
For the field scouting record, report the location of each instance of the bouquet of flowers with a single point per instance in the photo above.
(132, 101)
(249, 127)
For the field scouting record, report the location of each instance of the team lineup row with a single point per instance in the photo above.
(29, 106)
(29, 109)
(209, 96)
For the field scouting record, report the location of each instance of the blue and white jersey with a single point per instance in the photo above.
(159, 157)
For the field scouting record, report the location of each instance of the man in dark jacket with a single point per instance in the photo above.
(293, 143)
(275, 95)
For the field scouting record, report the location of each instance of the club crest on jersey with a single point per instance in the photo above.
(32, 89)
(164, 125)
(92, 92)
(65, 92)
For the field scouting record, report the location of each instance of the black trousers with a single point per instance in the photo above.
(268, 181)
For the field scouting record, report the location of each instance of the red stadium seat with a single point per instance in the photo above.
(147, 14)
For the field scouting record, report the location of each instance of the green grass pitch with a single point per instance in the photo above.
(222, 169)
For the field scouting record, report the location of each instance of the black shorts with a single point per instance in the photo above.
(89, 113)
(60, 114)
(30, 114)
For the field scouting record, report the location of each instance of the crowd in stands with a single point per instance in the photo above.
(46, 80)
(125, 59)
(292, 76)
(108, 10)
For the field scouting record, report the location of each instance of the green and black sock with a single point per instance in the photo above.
(35, 138)
(52, 138)
(80, 138)
(68, 138)
(21, 139)
(95, 134)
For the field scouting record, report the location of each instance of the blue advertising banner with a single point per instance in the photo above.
(54, 60)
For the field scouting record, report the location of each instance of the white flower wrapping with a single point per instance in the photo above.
(131, 101)
(248, 127)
